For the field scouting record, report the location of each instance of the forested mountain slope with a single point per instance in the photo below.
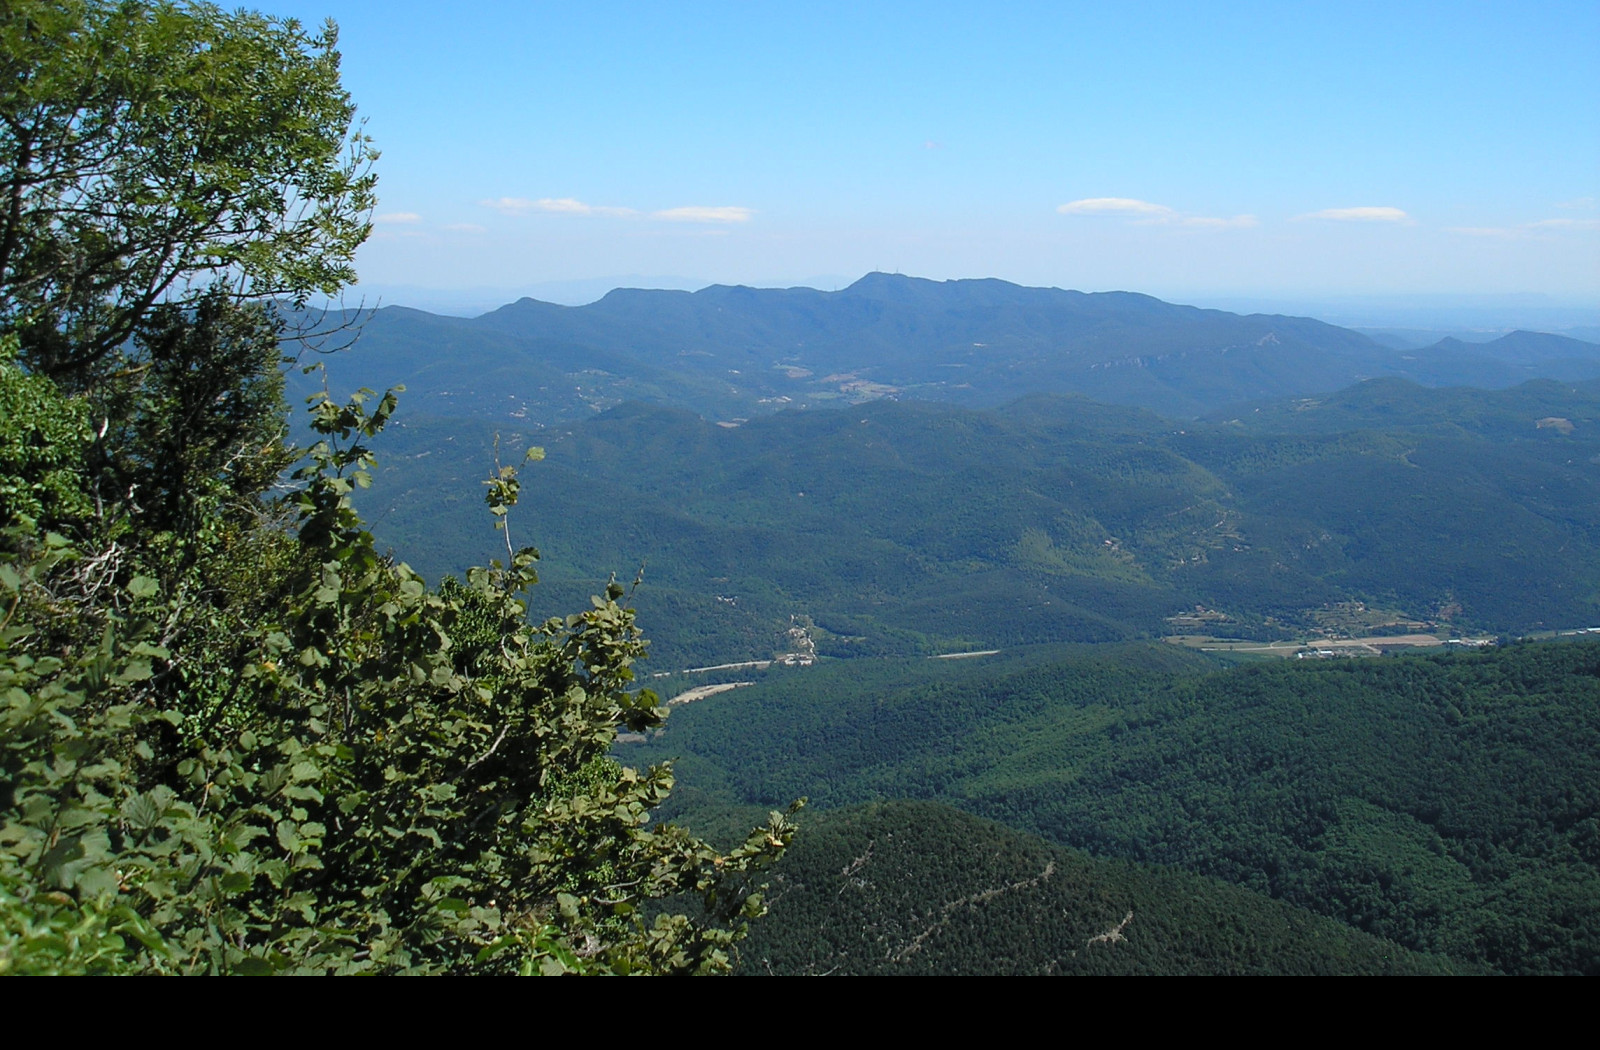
(1446, 802)
(922, 888)
(1512, 358)
(907, 527)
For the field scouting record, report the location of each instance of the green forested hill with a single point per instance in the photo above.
(920, 888)
(906, 527)
(1400, 405)
(1450, 803)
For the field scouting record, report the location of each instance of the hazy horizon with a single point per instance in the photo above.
(1453, 314)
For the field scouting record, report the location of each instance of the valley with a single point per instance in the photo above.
(1120, 626)
(917, 528)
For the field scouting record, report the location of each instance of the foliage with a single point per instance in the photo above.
(42, 443)
(355, 793)
(154, 150)
(234, 738)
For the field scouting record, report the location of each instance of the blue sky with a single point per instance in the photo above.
(1187, 150)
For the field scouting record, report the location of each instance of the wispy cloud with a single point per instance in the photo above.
(696, 213)
(1565, 224)
(465, 227)
(1369, 214)
(397, 218)
(1579, 204)
(573, 206)
(559, 205)
(1114, 206)
(1526, 229)
(511, 205)
(1146, 213)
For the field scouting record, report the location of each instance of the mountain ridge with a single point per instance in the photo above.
(729, 352)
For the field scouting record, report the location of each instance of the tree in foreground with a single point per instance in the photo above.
(234, 738)
(155, 152)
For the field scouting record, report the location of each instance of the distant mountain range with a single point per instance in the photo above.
(735, 352)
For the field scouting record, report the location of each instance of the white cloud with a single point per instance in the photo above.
(573, 206)
(1114, 206)
(695, 213)
(1527, 229)
(564, 205)
(559, 205)
(1565, 224)
(397, 218)
(465, 227)
(1378, 214)
(1579, 204)
(509, 205)
(1145, 213)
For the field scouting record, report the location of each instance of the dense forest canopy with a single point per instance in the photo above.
(902, 888)
(1446, 802)
(914, 527)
